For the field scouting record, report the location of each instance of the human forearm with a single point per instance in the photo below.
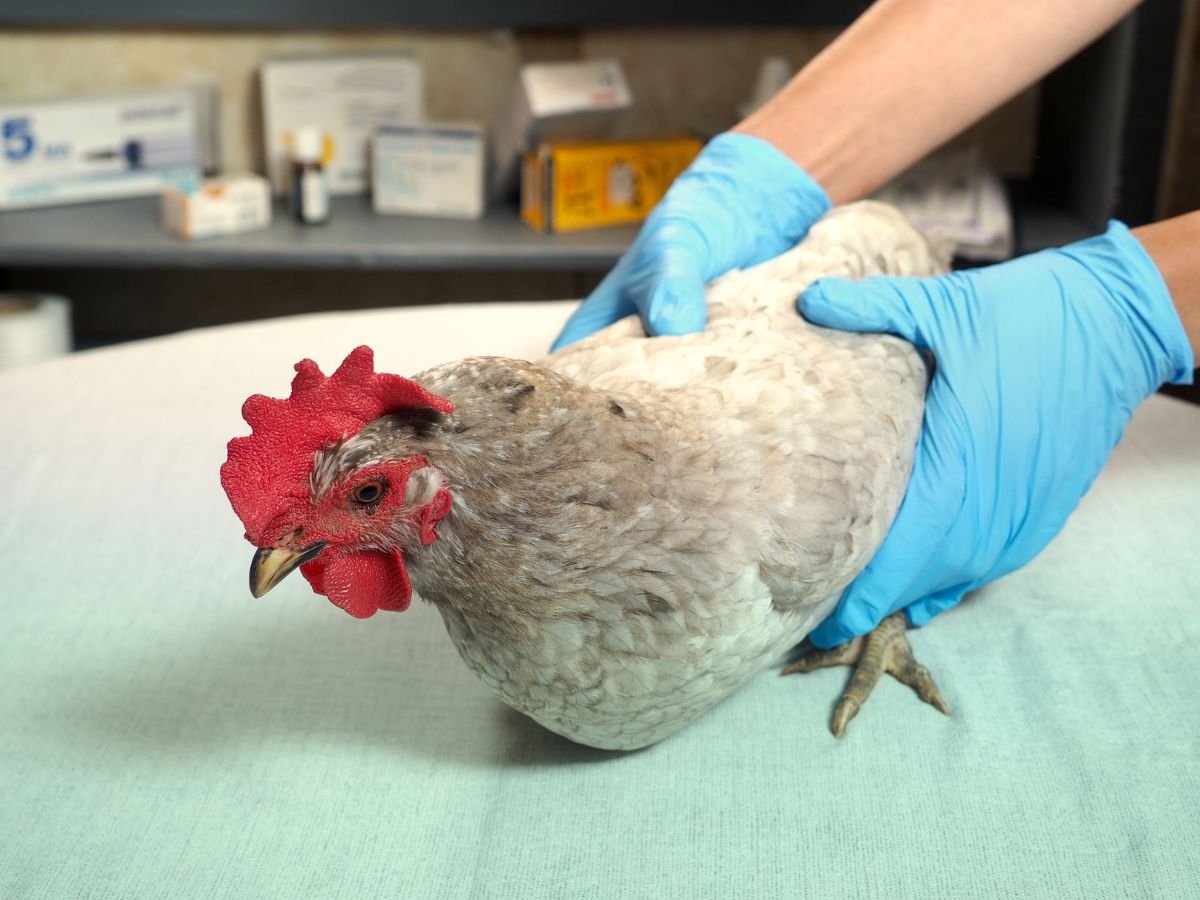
(1174, 245)
(911, 74)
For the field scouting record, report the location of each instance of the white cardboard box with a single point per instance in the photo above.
(347, 97)
(96, 147)
(556, 102)
(217, 206)
(430, 170)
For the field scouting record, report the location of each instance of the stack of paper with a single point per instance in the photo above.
(957, 198)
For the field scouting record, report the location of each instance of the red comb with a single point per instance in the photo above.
(267, 472)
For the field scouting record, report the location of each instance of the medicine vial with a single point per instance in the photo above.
(310, 183)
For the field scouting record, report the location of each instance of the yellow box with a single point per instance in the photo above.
(570, 187)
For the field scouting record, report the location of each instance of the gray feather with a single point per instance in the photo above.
(639, 526)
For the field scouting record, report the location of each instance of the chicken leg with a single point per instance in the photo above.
(886, 649)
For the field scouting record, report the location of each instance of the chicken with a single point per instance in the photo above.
(622, 534)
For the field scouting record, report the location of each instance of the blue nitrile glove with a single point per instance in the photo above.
(1039, 364)
(740, 202)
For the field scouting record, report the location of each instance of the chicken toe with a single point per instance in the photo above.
(886, 649)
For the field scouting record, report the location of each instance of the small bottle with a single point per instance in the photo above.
(310, 185)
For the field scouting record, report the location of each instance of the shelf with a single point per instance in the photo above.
(458, 13)
(126, 234)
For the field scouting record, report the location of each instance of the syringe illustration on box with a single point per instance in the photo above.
(156, 153)
(97, 147)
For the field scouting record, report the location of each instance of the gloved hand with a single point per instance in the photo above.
(1039, 364)
(740, 202)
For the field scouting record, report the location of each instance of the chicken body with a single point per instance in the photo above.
(639, 526)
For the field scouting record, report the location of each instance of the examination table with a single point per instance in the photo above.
(165, 735)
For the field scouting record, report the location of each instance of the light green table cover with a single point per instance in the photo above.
(164, 735)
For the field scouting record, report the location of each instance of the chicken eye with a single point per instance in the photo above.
(369, 493)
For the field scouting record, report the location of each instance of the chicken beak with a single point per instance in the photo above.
(272, 564)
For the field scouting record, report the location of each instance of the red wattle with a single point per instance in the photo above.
(362, 583)
(314, 574)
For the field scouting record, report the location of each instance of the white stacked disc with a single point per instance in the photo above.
(33, 327)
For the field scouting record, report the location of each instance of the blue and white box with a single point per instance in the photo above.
(429, 170)
(97, 147)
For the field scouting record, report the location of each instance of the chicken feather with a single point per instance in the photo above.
(621, 534)
(639, 526)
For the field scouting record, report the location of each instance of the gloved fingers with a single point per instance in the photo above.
(674, 304)
(661, 278)
(921, 611)
(906, 566)
(667, 278)
(604, 305)
(899, 306)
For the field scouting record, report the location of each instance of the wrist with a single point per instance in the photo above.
(1143, 301)
(1173, 244)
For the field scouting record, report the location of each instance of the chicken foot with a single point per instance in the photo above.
(886, 649)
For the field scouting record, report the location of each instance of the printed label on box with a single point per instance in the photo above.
(429, 170)
(568, 187)
(95, 147)
(347, 98)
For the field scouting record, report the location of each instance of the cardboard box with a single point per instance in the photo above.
(96, 147)
(555, 102)
(430, 170)
(217, 206)
(347, 97)
(570, 187)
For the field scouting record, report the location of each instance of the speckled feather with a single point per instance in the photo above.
(639, 526)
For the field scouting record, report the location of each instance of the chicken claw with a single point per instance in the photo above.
(886, 649)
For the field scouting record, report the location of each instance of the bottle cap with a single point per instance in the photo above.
(308, 144)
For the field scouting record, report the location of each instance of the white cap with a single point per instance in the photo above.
(308, 144)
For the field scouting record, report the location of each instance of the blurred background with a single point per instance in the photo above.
(373, 153)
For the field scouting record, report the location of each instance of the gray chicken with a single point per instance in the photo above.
(620, 535)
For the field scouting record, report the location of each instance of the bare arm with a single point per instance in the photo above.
(909, 75)
(1174, 245)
